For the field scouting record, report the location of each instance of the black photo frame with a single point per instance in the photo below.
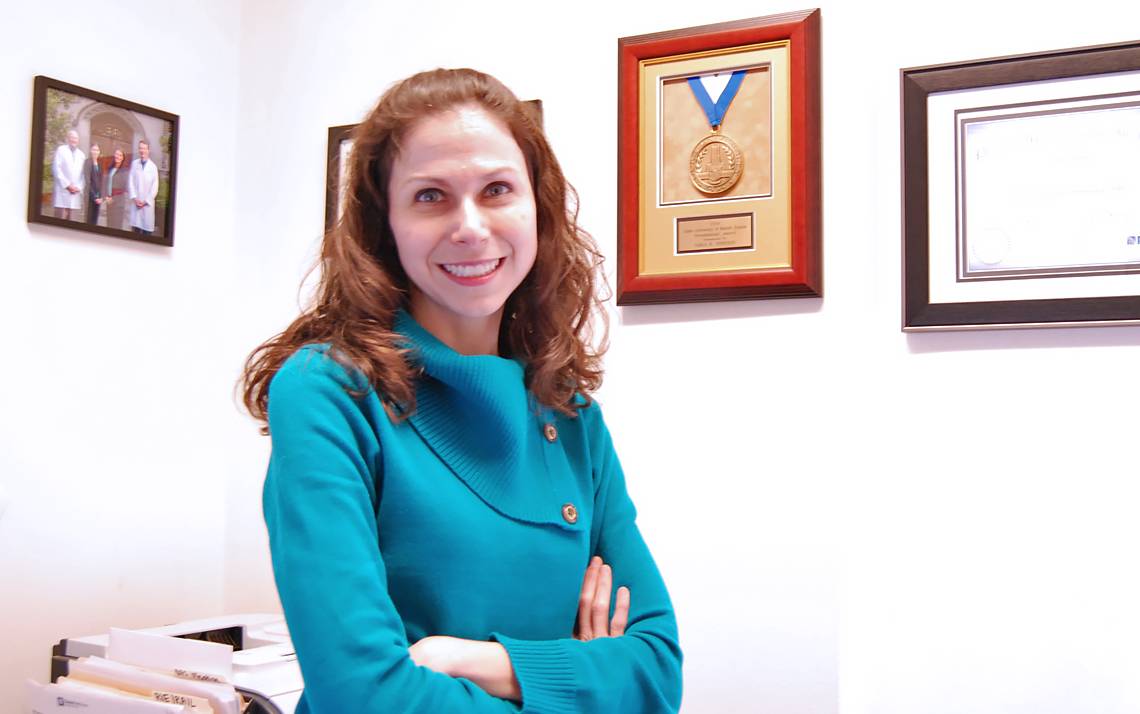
(1050, 297)
(63, 113)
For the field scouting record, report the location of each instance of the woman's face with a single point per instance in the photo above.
(463, 215)
(119, 157)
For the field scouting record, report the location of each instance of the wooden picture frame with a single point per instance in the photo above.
(339, 147)
(67, 188)
(752, 226)
(1050, 233)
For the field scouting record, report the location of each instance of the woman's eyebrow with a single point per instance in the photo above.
(489, 173)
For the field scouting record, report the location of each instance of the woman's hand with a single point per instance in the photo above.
(594, 604)
(487, 664)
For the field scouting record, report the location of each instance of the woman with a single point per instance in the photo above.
(446, 513)
(115, 197)
(93, 173)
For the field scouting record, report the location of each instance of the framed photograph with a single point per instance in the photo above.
(339, 148)
(101, 164)
(1021, 195)
(719, 162)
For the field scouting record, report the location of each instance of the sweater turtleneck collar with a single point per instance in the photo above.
(475, 413)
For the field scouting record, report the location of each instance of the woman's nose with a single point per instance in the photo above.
(472, 226)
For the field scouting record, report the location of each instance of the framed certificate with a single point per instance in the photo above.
(1021, 198)
(719, 162)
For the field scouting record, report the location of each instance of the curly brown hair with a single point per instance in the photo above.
(548, 318)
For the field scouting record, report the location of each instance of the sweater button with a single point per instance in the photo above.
(570, 513)
(550, 432)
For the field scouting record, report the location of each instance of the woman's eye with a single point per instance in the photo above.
(429, 195)
(497, 189)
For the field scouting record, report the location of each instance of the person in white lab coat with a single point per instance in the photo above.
(143, 188)
(67, 172)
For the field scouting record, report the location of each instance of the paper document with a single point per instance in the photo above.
(51, 698)
(221, 697)
(188, 659)
(1049, 190)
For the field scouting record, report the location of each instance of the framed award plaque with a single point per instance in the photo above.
(719, 162)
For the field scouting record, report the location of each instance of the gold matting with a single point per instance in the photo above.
(666, 127)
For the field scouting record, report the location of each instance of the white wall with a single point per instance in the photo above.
(850, 519)
(117, 356)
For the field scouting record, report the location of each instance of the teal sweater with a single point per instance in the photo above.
(454, 522)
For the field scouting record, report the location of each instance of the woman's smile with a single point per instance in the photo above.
(472, 272)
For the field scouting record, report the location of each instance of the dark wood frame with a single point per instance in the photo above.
(337, 134)
(805, 276)
(917, 83)
(36, 169)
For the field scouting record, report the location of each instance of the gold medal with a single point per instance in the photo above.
(716, 164)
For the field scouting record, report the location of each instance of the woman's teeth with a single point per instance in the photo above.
(471, 270)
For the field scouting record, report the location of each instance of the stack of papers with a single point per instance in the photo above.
(144, 674)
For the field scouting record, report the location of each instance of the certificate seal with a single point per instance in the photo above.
(716, 164)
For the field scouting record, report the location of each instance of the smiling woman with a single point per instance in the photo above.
(448, 520)
(463, 216)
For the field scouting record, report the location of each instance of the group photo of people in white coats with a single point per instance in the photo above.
(107, 192)
(107, 164)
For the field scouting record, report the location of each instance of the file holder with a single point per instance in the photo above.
(269, 674)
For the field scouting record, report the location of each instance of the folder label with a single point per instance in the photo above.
(198, 704)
